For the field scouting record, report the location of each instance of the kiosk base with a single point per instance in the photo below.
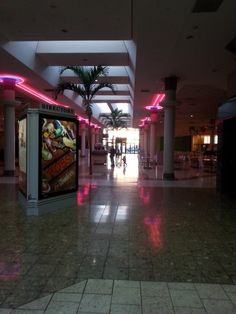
(40, 207)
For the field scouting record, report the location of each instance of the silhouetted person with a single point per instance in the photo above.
(124, 160)
(112, 155)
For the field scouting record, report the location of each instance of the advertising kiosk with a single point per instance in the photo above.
(48, 159)
(226, 164)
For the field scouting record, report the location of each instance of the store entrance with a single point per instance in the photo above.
(125, 140)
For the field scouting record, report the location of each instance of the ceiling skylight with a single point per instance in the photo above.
(125, 107)
(103, 107)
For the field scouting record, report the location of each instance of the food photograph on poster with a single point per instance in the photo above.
(22, 155)
(58, 167)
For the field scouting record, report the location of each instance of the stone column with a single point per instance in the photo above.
(83, 138)
(97, 139)
(9, 103)
(93, 131)
(169, 105)
(153, 135)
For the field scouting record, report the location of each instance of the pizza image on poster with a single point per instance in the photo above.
(58, 156)
(22, 156)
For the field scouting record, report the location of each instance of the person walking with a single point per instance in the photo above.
(124, 160)
(112, 155)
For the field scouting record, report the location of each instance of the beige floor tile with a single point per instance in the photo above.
(219, 306)
(189, 310)
(77, 288)
(39, 304)
(126, 296)
(188, 298)
(126, 284)
(150, 289)
(157, 309)
(99, 286)
(181, 285)
(210, 291)
(66, 297)
(95, 303)
(62, 308)
(125, 309)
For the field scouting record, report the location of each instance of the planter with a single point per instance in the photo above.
(99, 157)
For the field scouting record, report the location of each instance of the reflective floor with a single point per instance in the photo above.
(127, 225)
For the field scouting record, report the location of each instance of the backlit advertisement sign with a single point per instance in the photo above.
(22, 156)
(58, 160)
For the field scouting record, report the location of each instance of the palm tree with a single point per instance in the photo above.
(116, 119)
(87, 87)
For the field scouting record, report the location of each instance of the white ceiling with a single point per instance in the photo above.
(141, 42)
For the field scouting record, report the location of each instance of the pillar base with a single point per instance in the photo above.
(168, 176)
(9, 173)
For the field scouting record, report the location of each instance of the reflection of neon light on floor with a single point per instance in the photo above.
(153, 228)
(145, 197)
(84, 191)
(9, 271)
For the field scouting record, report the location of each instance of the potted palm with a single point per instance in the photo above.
(115, 120)
(87, 87)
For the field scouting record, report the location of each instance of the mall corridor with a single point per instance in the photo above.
(132, 244)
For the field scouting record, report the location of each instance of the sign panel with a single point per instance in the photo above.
(22, 156)
(58, 160)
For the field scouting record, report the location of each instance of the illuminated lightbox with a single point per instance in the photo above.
(48, 159)
(58, 162)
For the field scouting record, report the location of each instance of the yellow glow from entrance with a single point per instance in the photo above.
(206, 139)
(131, 135)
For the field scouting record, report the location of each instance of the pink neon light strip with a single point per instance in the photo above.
(47, 99)
(159, 98)
(155, 105)
(37, 94)
(19, 81)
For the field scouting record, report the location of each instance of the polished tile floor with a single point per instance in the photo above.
(128, 225)
(134, 297)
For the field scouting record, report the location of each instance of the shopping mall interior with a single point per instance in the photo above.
(133, 219)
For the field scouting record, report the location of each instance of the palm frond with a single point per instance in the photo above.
(115, 119)
(98, 71)
(61, 87)
(87, 89)
(104, 115)
(73, 68)
(98, 87)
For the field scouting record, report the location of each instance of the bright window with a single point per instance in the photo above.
(206, 139)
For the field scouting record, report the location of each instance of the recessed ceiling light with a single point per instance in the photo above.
(191, 115)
